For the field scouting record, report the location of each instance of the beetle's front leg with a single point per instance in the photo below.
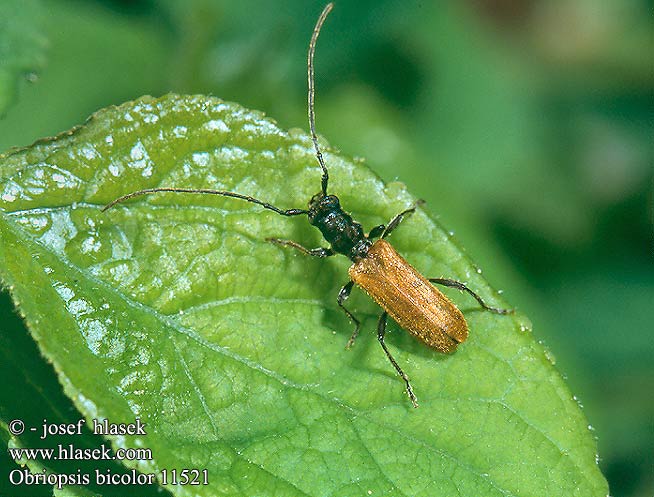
(384, 230)
(316, 252)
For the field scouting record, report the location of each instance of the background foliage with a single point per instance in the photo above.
(527, 125)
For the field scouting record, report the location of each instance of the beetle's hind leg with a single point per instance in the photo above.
(316, 252)
(384, 230)
(461, 286)
(381, 331)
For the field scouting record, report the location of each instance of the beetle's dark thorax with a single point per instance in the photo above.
(345, 235)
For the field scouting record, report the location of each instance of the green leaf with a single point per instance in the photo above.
(174, 309)
(31, 393)
(21, 45)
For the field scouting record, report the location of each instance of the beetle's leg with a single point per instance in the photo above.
(395, 222)
(376, 232)
(317, 252)
(461, 286)
(381, 331)
(342, 296)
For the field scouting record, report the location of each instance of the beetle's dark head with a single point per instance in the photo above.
(320, 205)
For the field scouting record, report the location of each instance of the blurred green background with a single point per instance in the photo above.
(527, 126)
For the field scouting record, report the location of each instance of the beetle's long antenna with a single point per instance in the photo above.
(312, 114)
(312, 126)
(147, 191)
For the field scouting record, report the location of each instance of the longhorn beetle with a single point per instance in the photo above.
(402, 292)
